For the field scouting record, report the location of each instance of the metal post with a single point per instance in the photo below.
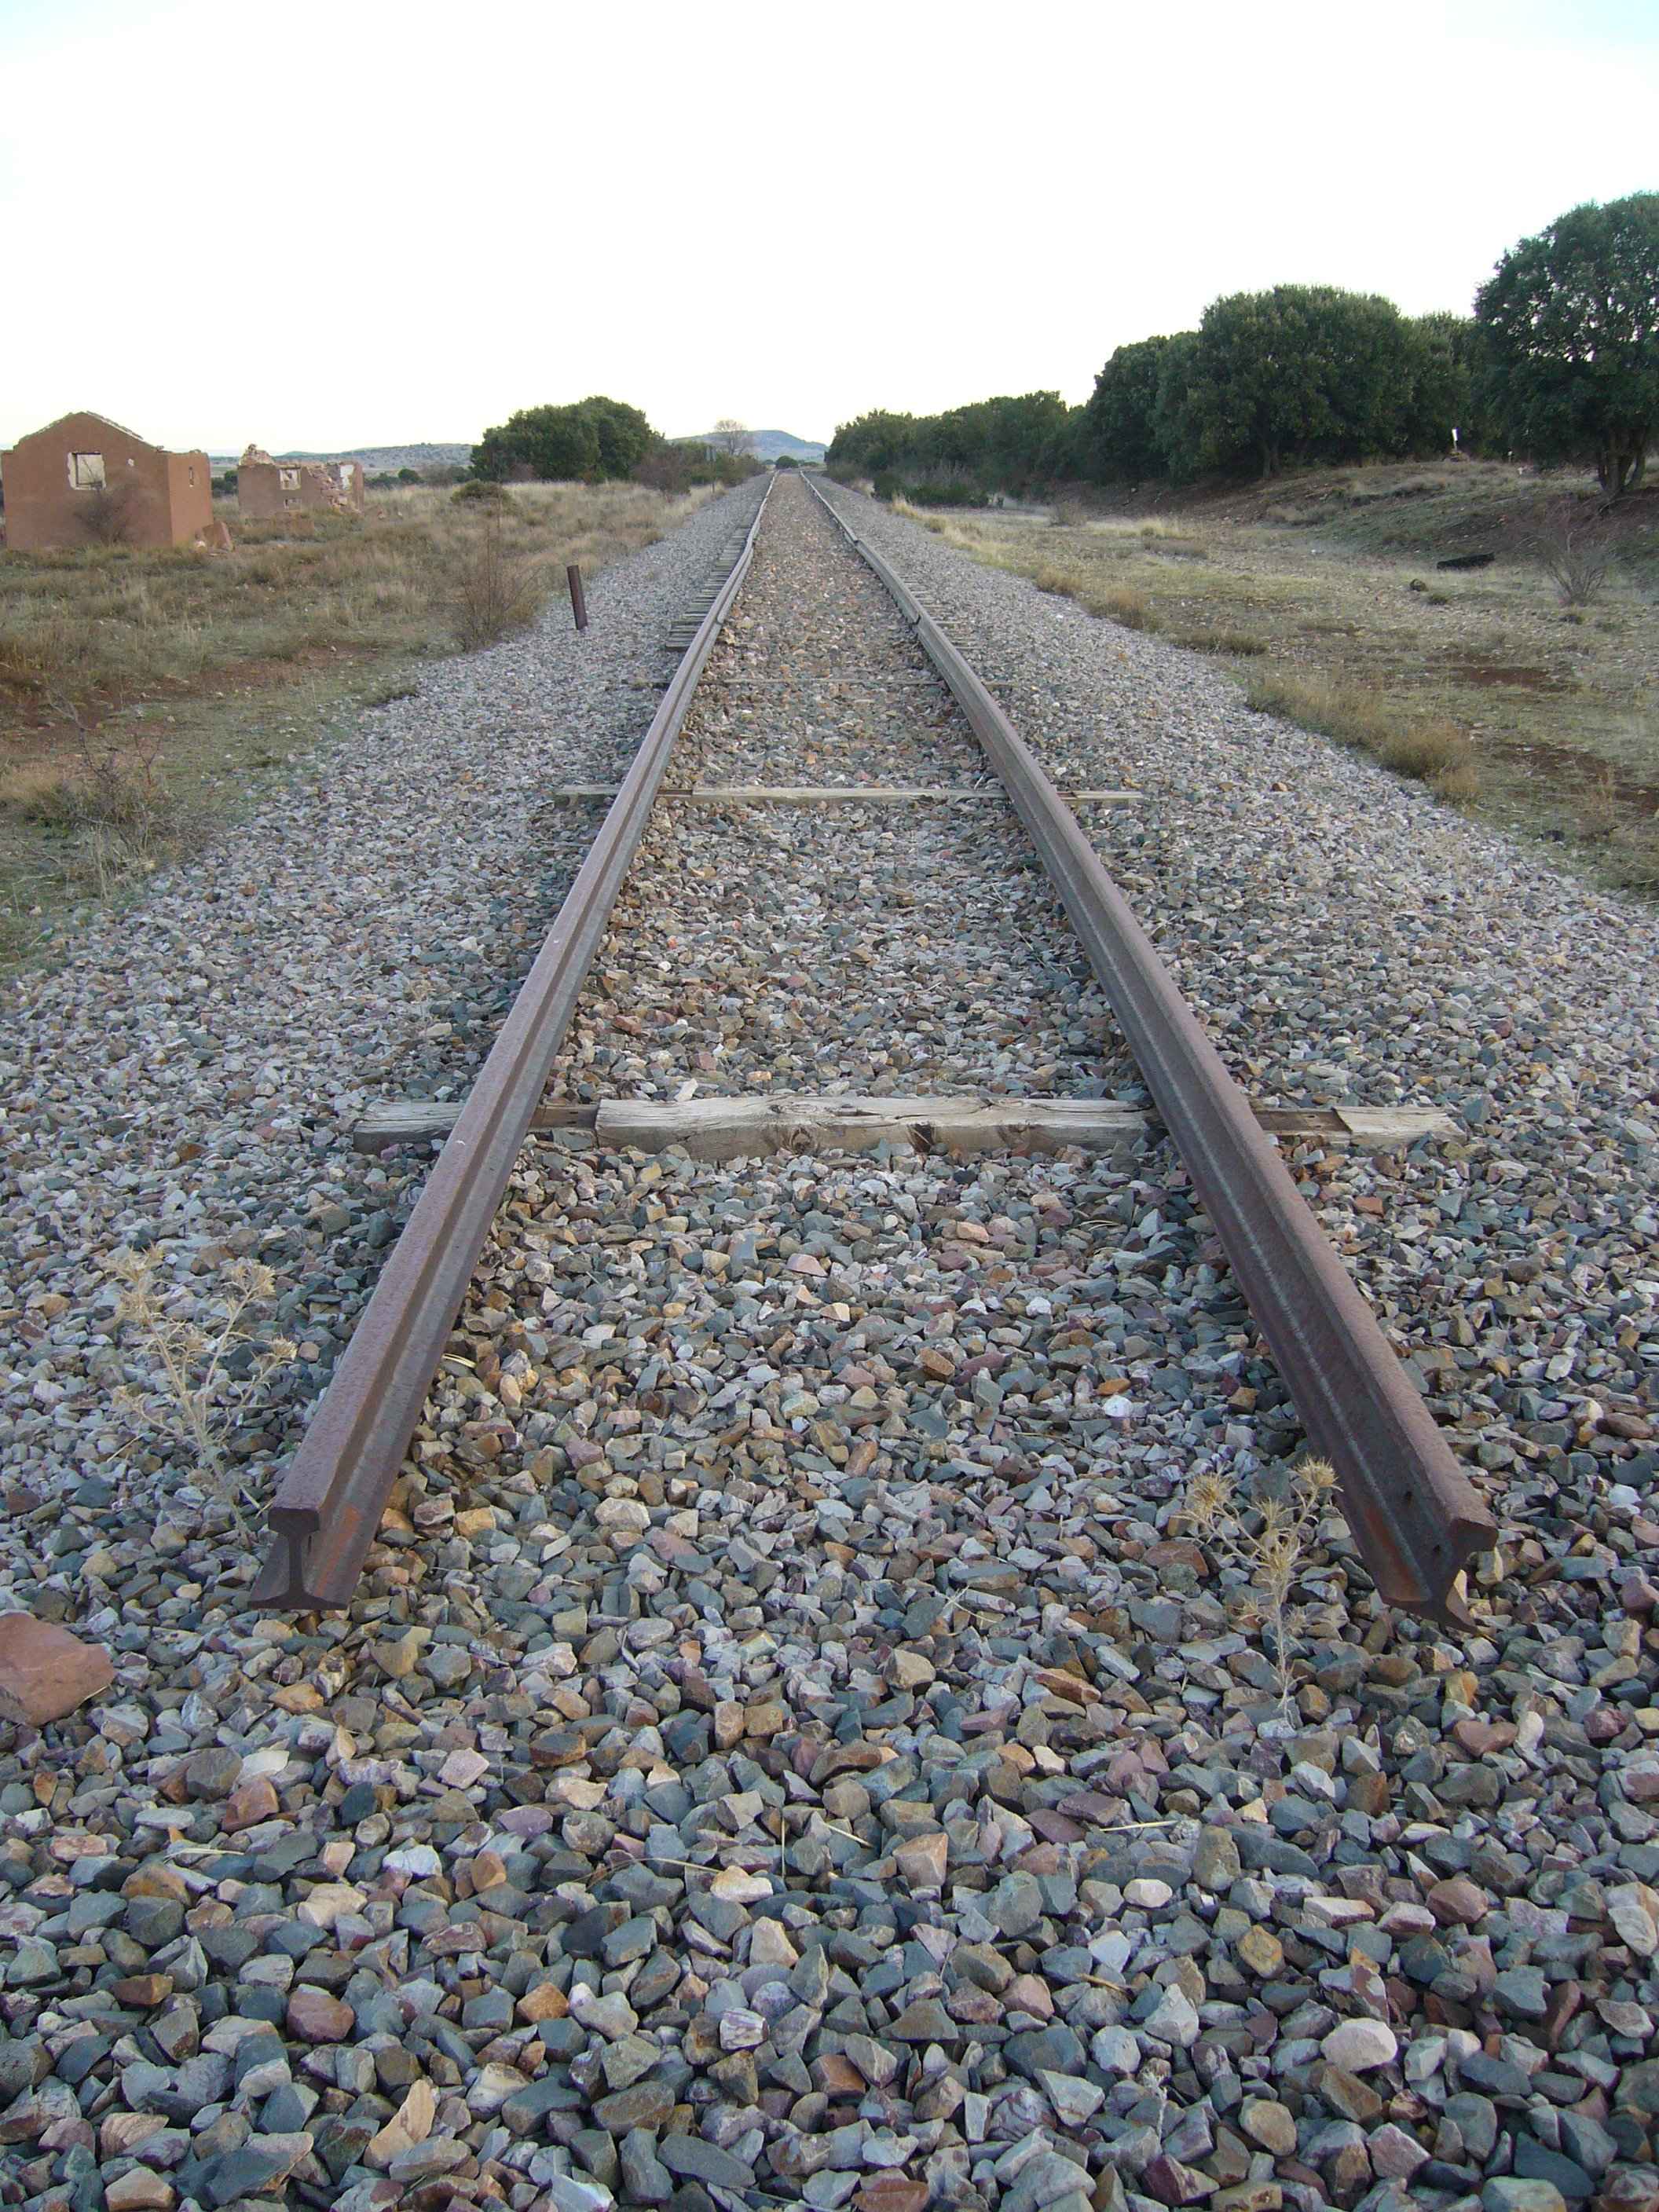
(578, 596)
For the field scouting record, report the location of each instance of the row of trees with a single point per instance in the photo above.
(597, 440)
(1560, 361)
(1303, 373)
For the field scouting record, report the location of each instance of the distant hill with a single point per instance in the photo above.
(374, 459)
(768, 444)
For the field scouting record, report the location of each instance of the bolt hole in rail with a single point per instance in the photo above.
(1415, 1516)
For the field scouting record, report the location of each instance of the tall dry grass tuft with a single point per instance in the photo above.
(194, 1400)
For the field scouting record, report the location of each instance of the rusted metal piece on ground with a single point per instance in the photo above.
(578, 596)
(1415, 1515)
(329, 1503)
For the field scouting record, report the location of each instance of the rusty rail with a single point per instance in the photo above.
(1416, 1516)
(329, 1503)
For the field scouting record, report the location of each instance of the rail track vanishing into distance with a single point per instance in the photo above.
(1415, 1516)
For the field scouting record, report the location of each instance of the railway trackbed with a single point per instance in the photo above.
(1416, 1516)
(739, 1709)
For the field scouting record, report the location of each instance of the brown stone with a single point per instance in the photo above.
(1348, 2096)
(1060, 1682)
(140, 2191)
(1177, 1552)
(892, 2192)
(729, 1721)
(855, 1758)
(144, 1992)
(45, 1672)
(1053, 1826)
(922, 1861)
(1028, 1993)
(249, 1803)
(1261, 1950)
(836, 2076)
(974, 2007)
(316, 2017)
(1367, 1794)
(1479, 1738)
(155, 1879)
(1457, 1902)
(767, 1718)
(1171, 2183)
(1092, 1806)
(545, 2001)
(1348, 2174)
(1270, 2124)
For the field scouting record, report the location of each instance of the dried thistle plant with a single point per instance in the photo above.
(195, 1400)
(1266, 1537)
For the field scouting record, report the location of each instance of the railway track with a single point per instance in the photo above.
(783, 1743)
(1416, 1517)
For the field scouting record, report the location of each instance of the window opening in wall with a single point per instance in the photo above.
(290, 479)
(86, 471)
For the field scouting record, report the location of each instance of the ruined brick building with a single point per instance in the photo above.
(85, 481)
(266, 488)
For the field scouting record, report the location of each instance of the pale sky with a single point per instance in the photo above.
(334, 222)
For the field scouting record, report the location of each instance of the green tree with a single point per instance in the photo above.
(872, 445)
(1440, 355)
(623, 435)
(1007, 444)
(1121, 436)
(1302, 373)
(589, 440)
(1569, 324)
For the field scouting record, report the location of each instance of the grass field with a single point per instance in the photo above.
(1321, 592)
(142, 694)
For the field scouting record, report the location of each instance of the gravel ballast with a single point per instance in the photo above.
(788, 1745)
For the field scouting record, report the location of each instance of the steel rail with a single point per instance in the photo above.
(1416, 1516)
(329, 1503)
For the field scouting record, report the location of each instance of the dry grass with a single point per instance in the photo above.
(1430, 747)
(139, 687)
(77, 627)
(1527, 690)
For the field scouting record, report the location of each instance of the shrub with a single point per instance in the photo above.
(105, 513)
(482, 491)
(1576, 550)
(495, 594)
(122, 821)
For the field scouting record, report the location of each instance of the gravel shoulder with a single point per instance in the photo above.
(789, 1745)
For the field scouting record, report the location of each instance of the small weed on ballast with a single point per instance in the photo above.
(1265, 1538)
(194, 1399)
